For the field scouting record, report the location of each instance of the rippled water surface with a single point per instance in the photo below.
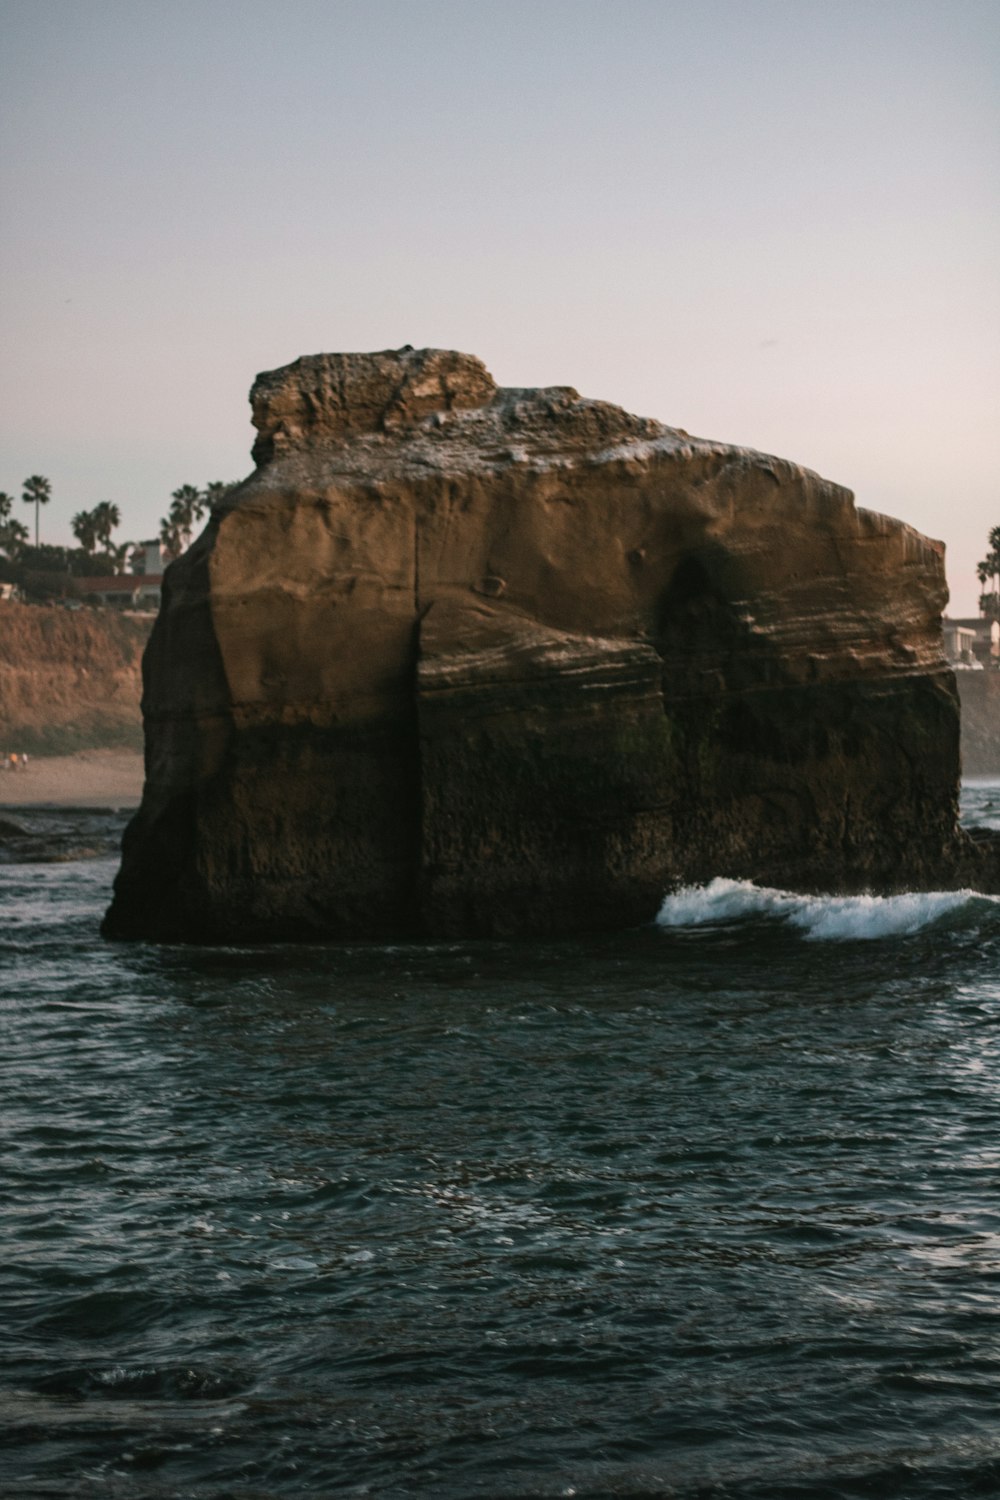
(708, 1209)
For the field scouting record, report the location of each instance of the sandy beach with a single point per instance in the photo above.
(90, 778)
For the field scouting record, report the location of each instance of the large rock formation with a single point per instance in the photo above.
(462, 660)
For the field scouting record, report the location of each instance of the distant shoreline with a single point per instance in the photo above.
(114, 778)
(90, 778)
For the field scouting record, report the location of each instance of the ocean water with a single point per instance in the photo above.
(709, 1209)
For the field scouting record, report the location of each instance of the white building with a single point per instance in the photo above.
(972, 642)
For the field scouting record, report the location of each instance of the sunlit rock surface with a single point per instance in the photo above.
(463, 660)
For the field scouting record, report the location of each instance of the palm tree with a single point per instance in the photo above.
(217, 491)
(170, 537)
(119, 553)
(6, 504)
(13, 535)
(988, 572)
(106, 517)
(188, 506)
(84, 527)
(36, 491)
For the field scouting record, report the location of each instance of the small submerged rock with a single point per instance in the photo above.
(58, 836)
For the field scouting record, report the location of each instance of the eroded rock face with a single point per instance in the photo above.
(462, 660)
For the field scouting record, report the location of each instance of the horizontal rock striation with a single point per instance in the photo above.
(464, 660)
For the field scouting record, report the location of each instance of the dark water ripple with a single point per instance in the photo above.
(708, 1211)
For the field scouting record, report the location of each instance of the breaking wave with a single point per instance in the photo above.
(818, 918)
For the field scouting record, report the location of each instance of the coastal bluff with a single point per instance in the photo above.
(458, 660)
(70, 680)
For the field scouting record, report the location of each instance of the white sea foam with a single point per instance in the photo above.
(818, 918)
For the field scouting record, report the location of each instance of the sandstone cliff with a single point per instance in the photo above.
(463, 660)
(69, 680)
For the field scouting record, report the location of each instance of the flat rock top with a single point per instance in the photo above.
(336, 395)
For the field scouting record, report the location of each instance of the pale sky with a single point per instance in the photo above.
(772, 222)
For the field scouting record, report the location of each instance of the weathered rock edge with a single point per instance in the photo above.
(458, 660)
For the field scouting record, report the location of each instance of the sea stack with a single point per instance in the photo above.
(458, 660)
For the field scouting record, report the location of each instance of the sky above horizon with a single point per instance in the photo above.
(772, 222)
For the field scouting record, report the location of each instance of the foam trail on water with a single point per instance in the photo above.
(819, 918)
(854, 918)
